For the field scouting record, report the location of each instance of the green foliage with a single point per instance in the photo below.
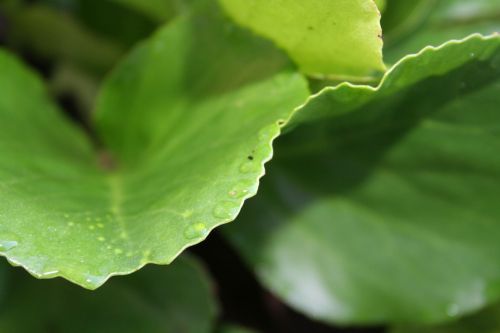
(380, 205)
(400, 181)
(433, 22)
(334, 38)
(156, 300)
(188, 155)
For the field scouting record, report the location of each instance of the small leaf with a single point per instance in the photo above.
(156, 300)
(383, 206)
(189, 132)
(333, 38)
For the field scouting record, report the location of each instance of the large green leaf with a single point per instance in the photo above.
(334, 38)
(386, 207)
(156, 300)
(189, 132)
(411, 25)
(487, 321)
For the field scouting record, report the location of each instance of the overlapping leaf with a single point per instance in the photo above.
(188, 118)
(339, 38)
(384, 205)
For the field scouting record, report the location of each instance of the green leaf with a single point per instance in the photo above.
(158, 299)
(380, 4)
(487, 321)
(387, 209)
(401, 18)
(335, 38)
(412, 25)
(191, 131)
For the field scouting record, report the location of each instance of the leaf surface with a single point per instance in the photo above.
(189, 133)
(334, 38)
(158, 299)
(382, 205)
(411, 25)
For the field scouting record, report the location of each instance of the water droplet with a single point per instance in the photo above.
(263, 151)
(196, 230)
(100, 225)
(226, 209)
(146, 255)
(187, 213)
(241, 189)
(249, 167)
(71, 224)
(94, 280)
(118, 251)
(123, 235)
(101, 239)
(453, 310)
(472, 54)
(6, 245)
(50, 273)
(109, 247)
(91, 227)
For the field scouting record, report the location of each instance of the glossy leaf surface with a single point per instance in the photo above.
(188, 139)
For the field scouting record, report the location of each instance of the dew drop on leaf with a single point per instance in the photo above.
(267, 133)
(6, 245)
(226, 209)
(249, 167)
(196, 230)
(241, 189)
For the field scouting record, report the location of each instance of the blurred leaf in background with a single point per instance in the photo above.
(411, 25)
(172, 299)
(384, 207)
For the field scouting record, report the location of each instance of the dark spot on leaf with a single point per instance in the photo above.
(250, 157)
(107, 161)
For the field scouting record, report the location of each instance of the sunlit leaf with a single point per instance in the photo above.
(339, 38)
